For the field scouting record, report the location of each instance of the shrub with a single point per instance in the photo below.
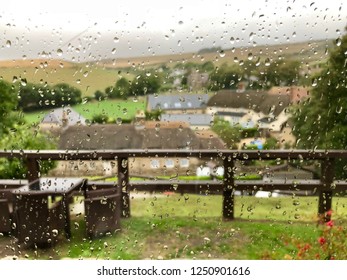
(330, 245)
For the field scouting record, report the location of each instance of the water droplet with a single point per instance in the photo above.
(125, 111)
(179, 43)
(78, 81)
(251, 35)
(8, 43)
(267, 62)
(119, 121)
(76, 225)
(339, 109)
(180, 22)
(55, 232)
(116, 39)
(23, 82)
(59, 52)
(84, 100)
(113, 50)
(221, 53)
(232, 40)
(250, 56)
(338, 42)
(314, 82)
(296, 202)
(14, 79)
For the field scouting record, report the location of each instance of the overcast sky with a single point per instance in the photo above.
(92, 30)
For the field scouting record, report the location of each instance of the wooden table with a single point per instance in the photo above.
(38, 220)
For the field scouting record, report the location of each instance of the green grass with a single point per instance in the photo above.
(191, 226)
(114, 108)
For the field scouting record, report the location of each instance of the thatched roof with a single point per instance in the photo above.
(258, 101)
(128, 136)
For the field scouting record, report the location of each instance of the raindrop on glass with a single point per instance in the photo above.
(59, 52)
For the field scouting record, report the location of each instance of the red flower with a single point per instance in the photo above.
(330, 223)
(322, 240)
(329, 213)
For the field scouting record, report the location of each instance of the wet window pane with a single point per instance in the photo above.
(218, 125)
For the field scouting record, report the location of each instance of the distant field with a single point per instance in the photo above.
(88, 78)
(308, 52)
(93, 76)
(112, 108)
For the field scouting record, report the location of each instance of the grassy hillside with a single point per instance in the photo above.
(88, 78)
(93, 76)
(312, 52)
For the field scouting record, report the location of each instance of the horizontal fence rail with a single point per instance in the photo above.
(323, 187)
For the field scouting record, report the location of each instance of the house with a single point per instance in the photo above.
(150, 135)
(178, 103)
(62, 118)
(195, 121)
(251, 108)
(296, 93)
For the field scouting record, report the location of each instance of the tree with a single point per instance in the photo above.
(320, 122)
(281, 73)
(225, 77)
(23, 138)
(121, 89)
(65, 94)
(8, 104)
(99, 95)
(231, 135)
(146, 83)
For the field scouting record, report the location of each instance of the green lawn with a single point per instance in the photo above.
(124, 109)
(191, 226)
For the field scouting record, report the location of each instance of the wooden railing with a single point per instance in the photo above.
(324, 187)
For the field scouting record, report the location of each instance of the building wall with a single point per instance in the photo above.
(137, 166)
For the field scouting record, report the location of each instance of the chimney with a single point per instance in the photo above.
(65, 118)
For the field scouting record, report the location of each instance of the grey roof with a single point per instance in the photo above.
(258, 101)
(230, 114)
(177, 102)
(192, 119)
(57, 115)
(128, 136)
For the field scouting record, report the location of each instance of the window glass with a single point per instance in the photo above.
(138, 129)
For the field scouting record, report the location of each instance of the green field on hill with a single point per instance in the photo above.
(114, 108)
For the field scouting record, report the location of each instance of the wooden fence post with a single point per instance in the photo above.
(123, 184)
(33, 169)
(228, 191)
(326, 194)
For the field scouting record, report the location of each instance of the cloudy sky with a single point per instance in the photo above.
(83, 30)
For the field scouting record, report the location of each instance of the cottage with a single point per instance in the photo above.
(150, 135)
(251, 108)
(61, 118)
(178, 104)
